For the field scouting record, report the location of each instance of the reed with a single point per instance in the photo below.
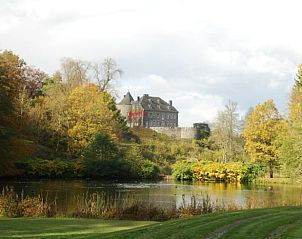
(13, 204)
(108, 206)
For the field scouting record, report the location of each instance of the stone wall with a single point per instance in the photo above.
(188, 133)
(173, 132)
(178, 132)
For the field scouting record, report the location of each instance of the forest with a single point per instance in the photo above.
(66, 125)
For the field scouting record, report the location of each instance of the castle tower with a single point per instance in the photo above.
(125, 105)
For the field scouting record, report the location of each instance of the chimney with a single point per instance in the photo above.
(170, 102)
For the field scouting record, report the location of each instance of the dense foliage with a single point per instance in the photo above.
(261, 132)
(67, 125)
(291, 147)
(218, 172)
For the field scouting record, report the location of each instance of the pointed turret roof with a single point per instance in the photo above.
(127, 99)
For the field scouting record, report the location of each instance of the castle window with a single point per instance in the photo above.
(163, 116)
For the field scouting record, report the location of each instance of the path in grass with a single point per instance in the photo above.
(285, 223)
(258, 223)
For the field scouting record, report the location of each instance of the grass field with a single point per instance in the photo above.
(285, 222)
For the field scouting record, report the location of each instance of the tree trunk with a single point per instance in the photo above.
(271, 173)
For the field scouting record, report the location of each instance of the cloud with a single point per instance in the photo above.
(199, 54)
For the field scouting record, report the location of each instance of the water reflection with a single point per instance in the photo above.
(163, 193)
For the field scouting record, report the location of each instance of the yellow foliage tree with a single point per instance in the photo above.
(261, 132)
(295, 106)
(88, 114)
(291, 150)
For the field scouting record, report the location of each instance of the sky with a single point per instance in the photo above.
(199, 54)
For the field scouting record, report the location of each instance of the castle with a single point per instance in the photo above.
(148, 111)
(155, 113)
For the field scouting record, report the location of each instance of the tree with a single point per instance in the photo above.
(34, 81)
(50, 113)
(106, 73)
(102, 147)
(31, 89)
(291, 149)
(261, 132)
(88, 114)
(226, 132)
(102, 157)
(11, 83)
(74, 72)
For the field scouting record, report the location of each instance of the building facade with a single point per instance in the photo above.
(148, 112)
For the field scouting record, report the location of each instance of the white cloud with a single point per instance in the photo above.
(200, 54)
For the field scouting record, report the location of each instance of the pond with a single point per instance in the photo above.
(165, 193)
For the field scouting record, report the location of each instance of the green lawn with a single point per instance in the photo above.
(63, 227)
(285, 222)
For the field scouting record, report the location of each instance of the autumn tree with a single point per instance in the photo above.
(11, 83)
(226, 132)
(50, 113)
(88, 114)
(32, 87)
(291, 150)
(34, 81)
(261, 132)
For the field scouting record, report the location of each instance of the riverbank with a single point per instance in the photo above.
(284, 222)
(150, 201)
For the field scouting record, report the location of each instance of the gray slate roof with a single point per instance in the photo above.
(149, 103)
(127, 100)
(155, 104)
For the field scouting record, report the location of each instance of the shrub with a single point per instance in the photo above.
(251, 171)
(183, 170)
(138, 166)
(228, 172)
(14, 205)
(102, 157)
(105, 159)
(48, 168)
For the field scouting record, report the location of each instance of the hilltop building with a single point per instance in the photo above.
(148, 111)
(155, 113)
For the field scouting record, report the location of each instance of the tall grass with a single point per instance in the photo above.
(13, 204)
(102, 205)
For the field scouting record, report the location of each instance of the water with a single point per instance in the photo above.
(166, 193)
